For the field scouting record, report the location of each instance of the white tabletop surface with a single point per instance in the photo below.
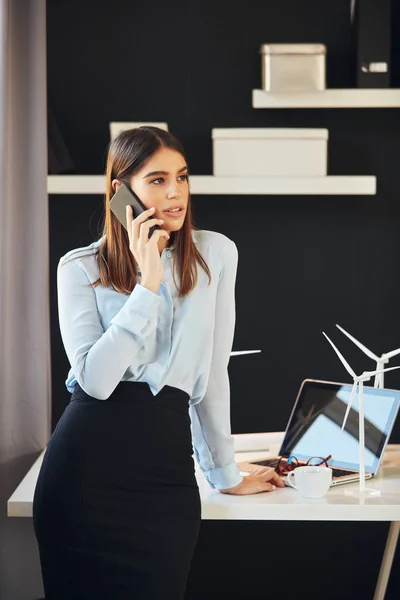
(281, 504)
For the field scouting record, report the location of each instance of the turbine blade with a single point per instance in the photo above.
(344, 361)
(353, 391)
(371, 373)
(240, 352)
(366, 350)
(392, 353)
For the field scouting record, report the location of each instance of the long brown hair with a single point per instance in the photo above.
(127, 154)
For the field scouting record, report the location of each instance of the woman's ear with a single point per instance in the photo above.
(116, 183)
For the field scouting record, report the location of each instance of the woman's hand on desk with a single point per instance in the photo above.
(264, 479)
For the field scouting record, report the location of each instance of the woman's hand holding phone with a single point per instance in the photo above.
(145, 250)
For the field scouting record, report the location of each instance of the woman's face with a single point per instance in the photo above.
(163, 183)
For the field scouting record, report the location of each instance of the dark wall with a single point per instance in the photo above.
(305, 263)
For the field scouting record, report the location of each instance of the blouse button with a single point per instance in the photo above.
(168, 254)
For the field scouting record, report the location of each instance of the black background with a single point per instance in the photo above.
(305, 263)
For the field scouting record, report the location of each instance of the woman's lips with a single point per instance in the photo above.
(176, 214)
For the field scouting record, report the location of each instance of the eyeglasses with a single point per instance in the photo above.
(289, 463)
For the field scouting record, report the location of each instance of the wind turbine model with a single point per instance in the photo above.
(380, 360)
(358, 382)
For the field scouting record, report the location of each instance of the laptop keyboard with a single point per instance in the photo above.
(342, 472)
(268, 462)
(272, 462)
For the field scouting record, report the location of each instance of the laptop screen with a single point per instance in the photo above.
(314, 428)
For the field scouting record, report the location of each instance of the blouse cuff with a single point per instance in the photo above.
(140, 308)
(222, 478)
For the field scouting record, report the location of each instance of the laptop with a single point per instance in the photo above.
(314, 429)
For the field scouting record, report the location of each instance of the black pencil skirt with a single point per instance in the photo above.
(116, 509)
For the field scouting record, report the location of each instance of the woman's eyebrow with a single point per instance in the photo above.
(153, 173)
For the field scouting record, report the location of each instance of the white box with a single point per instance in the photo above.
(270, 152)
(293, 67)
(117, 126)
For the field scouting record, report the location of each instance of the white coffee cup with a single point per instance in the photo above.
(311, 482)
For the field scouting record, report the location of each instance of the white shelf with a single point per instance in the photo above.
(76, 184)
(287, 186)
(335, 98)
(208, 184)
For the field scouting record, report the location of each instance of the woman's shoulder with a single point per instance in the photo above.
(84, 257)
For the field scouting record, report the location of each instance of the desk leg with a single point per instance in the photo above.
(387, 560)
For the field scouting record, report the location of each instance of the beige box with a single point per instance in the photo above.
(117, 126)
(270, 152)
(293, 67)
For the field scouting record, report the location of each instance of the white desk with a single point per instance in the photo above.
(279, 505)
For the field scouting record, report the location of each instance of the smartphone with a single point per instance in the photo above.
(123, 196)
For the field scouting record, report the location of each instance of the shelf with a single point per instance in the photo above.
(335, 98)
(287, 186)
(76, 184)
(208, 184)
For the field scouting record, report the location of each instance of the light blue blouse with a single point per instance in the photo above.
(159, 339)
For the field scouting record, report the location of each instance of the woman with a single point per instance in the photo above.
(148, 335)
